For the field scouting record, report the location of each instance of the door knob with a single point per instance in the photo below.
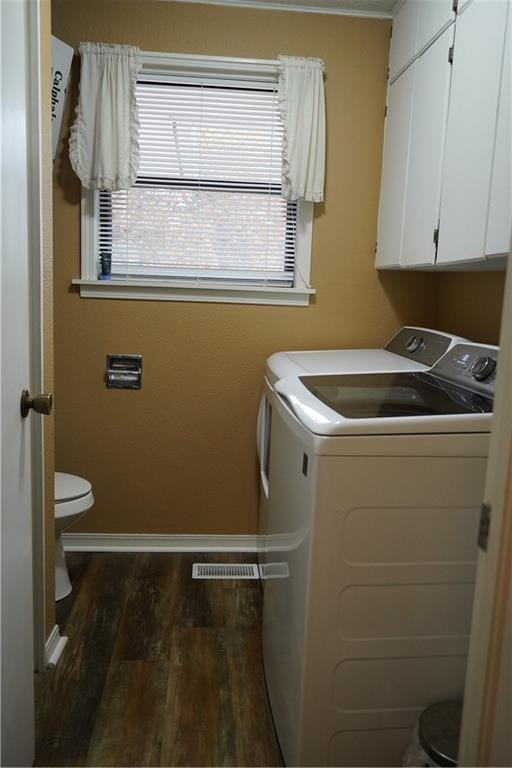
(39, 403)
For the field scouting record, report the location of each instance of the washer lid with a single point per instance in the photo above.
(281, 365)
(411, 349)
(393, 395)
(334, 409)
(68, 487)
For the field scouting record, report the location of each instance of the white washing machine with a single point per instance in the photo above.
(410, 349)
(376, 482)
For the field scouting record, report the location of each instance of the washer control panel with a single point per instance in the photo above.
(483, 367)
(419, 344)
(415, 343)
(473, 366)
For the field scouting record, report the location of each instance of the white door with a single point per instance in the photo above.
(477, 66)
(426, 149)
(20, 338)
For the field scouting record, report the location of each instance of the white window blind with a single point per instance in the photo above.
(207, 202)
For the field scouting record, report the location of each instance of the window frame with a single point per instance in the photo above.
(203, 290)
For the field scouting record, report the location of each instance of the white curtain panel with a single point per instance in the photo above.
(302, 106)
(103, 146)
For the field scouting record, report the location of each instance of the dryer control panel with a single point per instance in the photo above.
(419, 344)
(473, 366)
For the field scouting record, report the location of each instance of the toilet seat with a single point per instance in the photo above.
(68, 487)
(72, 494)
(72, 498)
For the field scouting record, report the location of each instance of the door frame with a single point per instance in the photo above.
(485, 733)
(24, 548)
(35, 214)
(35, 154)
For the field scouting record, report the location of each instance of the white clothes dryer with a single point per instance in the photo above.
(376, 483)
(411, 349)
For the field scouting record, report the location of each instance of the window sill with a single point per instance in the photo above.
(168, 290)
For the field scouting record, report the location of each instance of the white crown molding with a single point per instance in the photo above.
(54, 646)
(141, 542)
(268, 5)
(397, 7)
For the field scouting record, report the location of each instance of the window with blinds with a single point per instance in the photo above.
(207, 202)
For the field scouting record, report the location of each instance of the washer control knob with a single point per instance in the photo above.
(483, 367)
(414, 344)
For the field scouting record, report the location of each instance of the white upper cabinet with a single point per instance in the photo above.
(446, 199)
(416, 24)
(471, 131)
(433, 16)
(500, 203)
(403, 40)
(462, 5)
(394, 170)
(428, 127)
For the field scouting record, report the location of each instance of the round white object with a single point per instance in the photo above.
(68, 487)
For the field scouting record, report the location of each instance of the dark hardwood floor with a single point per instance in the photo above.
(159, 670)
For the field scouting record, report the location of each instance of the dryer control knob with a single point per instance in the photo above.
(414, 344)
(483, 367)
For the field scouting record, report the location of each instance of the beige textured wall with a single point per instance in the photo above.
(179, 456)
(47, 288)
(470, 304)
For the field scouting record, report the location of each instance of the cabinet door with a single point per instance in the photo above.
(403, 40)
(462, 5)
(415, 25)
(500, 203)
(479, 45)
(428, 131)
(394, 170)
(433, 15)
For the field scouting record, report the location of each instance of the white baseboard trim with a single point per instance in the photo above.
(142, 542)
(54, 646)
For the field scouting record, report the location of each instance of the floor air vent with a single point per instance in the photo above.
(225, 571)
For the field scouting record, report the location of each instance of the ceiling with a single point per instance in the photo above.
(375, 8)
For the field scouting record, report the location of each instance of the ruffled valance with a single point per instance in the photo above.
(103, 146)
(302, 107)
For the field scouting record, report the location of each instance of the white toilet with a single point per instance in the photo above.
(73, 497)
